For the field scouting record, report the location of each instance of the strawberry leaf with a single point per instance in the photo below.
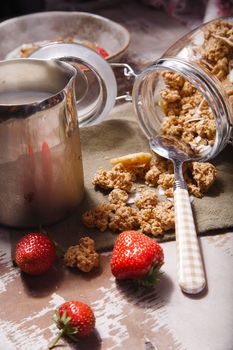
(67, 320)
(63, 318)
(151, 278)
(71, 330)
(56, 317)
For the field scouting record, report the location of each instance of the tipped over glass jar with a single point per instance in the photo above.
(188, 93)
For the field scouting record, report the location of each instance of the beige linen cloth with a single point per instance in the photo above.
(118, 135)
(121, 134)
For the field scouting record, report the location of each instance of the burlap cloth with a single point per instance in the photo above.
(118, 135)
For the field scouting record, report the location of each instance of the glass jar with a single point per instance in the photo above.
(189, 90)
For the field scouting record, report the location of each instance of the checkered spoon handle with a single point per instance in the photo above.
(190, 268)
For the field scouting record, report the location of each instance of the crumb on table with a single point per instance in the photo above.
(83, 255)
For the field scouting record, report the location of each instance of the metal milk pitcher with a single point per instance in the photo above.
(41, 171)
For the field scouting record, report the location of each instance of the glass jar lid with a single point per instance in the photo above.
(96, 87)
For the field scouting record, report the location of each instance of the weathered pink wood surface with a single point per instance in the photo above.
(160, 318)
(126, 319)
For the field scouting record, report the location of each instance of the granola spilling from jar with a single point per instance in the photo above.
(147, 212)
(188, 115)
(217, 49)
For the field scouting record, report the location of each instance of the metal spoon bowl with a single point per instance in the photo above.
(191, 275)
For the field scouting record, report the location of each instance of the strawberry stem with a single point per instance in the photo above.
(58, 337)
(60, 251)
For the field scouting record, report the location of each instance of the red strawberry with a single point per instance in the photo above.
(35, 253)
(136, 256)
(73, 318)
(101, 51)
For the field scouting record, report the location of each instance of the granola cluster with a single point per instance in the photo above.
(83, 255)
(158, 219)
(118, 197)
(147, 200)
(98, 217)
(117, 177)
(217, 49)
(124, 218)
(188, 116)
(199, 176)
(217, 53)
(146, 212)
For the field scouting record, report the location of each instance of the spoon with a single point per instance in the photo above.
(191, 277)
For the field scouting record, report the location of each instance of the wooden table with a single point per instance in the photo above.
(160, 318)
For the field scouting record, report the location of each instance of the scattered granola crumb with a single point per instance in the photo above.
(152, 176)
(166, 181)
(204, 174)
(158, 219)
(193, 188)
(98, 217)
(118, 197)
(139, 172)
(118, 177)
(169, 193)
(149, 222)
(161, 163)
(125, 218)
(83, 255)
(144, 211)
(165, 212)
(198, 176)
(158, 166)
